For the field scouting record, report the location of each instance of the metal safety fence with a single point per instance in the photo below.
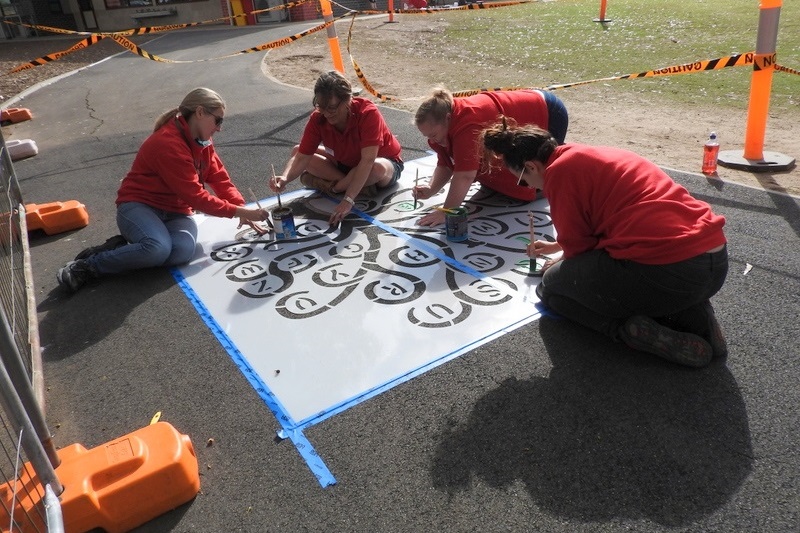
(29, 487)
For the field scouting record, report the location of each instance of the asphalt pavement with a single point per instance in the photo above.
(549, 428)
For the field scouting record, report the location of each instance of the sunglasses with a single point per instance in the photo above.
(519, 180)
(217, 120)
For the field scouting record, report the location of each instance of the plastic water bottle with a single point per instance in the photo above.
(710, 153)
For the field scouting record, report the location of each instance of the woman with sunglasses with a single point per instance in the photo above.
(164, 187)
(346, 147)
(641, 256)
(452, 126)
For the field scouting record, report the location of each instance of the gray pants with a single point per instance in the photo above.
(601, 293)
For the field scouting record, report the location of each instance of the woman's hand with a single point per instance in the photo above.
(537, 248)
(248, 216)
(422, 192)
(341, 211)
(278, 183)
(433, 218)
(261, 230)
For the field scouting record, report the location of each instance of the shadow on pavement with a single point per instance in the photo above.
(610, 433)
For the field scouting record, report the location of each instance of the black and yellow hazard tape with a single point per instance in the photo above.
(277, 43)
(360, 75)
(121, 39)
(764, 61)
(737, 60)
(438, 10)
(92, 39)
(696, 66)
(781, 68)
(157, 29)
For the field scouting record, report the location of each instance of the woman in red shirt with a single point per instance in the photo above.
(164, 187)
(453, 126)
(346, 147)
(641, 256)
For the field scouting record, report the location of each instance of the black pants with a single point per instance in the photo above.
(600, 292)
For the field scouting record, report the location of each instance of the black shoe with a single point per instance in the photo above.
(111, 244)
(700, 320)
(715, 338)
(74, 275)
(645, 334)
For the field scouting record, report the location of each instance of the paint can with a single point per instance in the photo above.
(456, 224)
(284, 223)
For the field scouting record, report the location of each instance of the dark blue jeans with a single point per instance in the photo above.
(601, 293)
(557, 117)
(156, 238)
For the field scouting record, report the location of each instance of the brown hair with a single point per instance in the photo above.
(200, 97)
(517, 144)
(435, 107)
(330, 84)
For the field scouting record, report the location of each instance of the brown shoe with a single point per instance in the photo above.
(313, 182)
(369, 191)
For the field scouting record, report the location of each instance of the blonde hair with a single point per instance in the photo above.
(435, 108)
(200, 97)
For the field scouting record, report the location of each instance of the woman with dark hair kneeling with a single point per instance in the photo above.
(641, 256)
(346, 147)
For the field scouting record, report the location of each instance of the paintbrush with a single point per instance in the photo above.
(530, 226)
(416, 184)
(280, 205)
(533, 266)
(446, 210)
(267, 220)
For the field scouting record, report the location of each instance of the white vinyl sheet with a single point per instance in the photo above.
(329, 317)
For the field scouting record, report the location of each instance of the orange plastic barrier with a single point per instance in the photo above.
(126, 482)
(117, 486)
(12, 115)
(56, 217)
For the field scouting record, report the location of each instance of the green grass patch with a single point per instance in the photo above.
(555, 42)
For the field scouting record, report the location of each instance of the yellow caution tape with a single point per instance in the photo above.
(781, 68)
(120, 39)
(435, 10)
(92, 39)
(157, 29)
(764, 61)
(360, 75)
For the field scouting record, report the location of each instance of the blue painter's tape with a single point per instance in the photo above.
(290, 431)
(293, 430)
(430, 249)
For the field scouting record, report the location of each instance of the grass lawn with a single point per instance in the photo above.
(552, 42)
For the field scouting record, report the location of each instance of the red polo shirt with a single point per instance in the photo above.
(365, 127)
(473, 114)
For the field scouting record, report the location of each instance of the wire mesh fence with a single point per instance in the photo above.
(28, 484)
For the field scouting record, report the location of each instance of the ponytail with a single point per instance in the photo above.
(517, 144)
(435, 108)
(200, 97)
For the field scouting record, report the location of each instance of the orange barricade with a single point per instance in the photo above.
(12, 115)
(56, 217)
(120, 485)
